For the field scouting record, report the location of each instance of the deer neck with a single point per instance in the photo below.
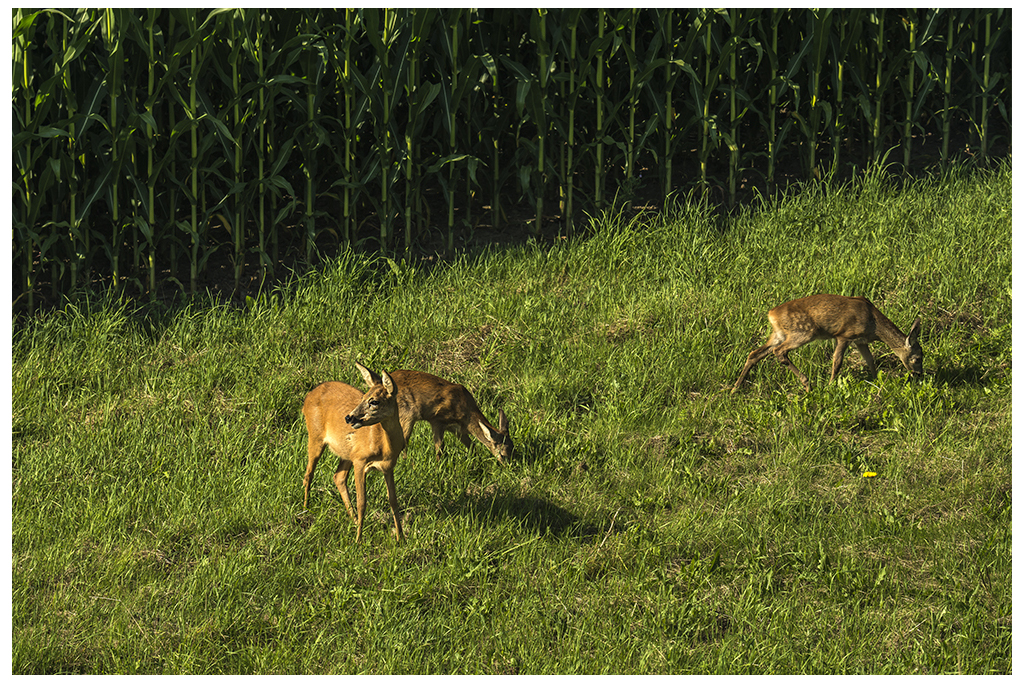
(887, 332)
(394, 436)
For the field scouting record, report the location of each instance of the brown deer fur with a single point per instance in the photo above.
(447, 407)
(845, 319)
(363, 430)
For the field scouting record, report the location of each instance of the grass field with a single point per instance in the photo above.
(652, 522)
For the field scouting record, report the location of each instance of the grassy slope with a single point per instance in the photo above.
(653, 522)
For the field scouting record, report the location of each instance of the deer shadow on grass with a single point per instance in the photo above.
(531, 512)
(962, 376)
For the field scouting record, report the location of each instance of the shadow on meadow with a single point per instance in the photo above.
(961, 376)
(530, 512)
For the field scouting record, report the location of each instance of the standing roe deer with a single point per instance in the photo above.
(363, 431)
(843, 318)
(447, 407)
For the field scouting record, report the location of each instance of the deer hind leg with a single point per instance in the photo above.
(783, 356)
(316, 449)
(389, 479)
(869, 360)
(341, 482)
(837, 357)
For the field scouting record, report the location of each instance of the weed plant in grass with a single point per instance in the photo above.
(652, 522)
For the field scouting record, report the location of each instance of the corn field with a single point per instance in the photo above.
(150, 144)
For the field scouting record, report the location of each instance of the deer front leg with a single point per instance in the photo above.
(463, 435)
(360, 472)
(865, 353)
(389, 479)
(438, 430)
(341, 482)
(837, 357)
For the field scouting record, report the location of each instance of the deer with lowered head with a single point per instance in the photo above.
(363, 430)
(448, 407)
(843, 318)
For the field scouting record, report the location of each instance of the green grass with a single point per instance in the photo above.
(652, 523)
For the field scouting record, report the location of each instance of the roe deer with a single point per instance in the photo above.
(363, 431)
(845, 319)
(447, 407)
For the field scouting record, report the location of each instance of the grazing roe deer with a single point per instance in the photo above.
(447, 407)
(363, 430)
(843, 318)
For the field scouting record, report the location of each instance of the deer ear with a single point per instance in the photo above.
(502, 422)
(487, 432)
(369, 376)
(388, 383)
(915, 331)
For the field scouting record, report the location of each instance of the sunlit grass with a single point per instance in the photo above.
(653, 522)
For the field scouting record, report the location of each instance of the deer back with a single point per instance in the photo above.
(825, 316)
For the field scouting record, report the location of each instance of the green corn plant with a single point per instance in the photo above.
(497, 126)
(872, 75)
(850, 25)
(187, 65)
(988, 38)
(716, 58)
(192, 26)
(341, 59)
(347, 226)
(666, 113)
(958, 42)
(284, 57)
(461, 74)
(770, 41)
(68, 39)
(313, 58)
(538, 25)
(205, 109)
(390, 44)
(741, 36)
(171, 63)
(630, 20)
(453, 22)
(947, 90)
(26, 128)
(922, 27)
(576, 72)
(253, 43)
(147, 223)
(819, 30)
(680, 57)
(533, 106)
(236, 28)
(599, 48)
(419, 95)
(908, 85)
(876, 127)
(703, 90)
(629, 103)
(117, 130)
